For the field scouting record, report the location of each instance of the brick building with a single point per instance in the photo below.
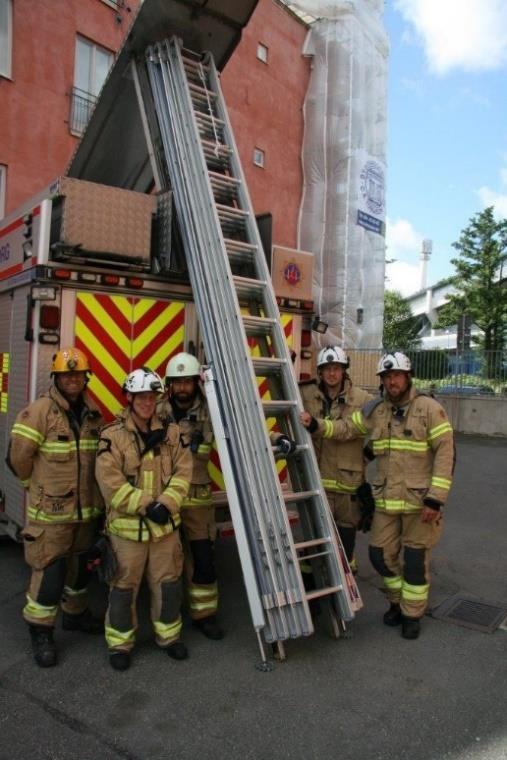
(55, 55)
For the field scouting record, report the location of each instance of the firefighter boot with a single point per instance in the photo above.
(84, 622)
(119, 660)
(209, 627)
(393, 615)
(177, 650)
(43, 646)
(410, 627)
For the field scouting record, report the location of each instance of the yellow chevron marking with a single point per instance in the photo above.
(124, 305)
(162, 354)
(95, 348)
(94, 307)
(104, 396)
(156, 327)
(216, 476)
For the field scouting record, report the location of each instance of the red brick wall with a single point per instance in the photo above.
(264, 100)
(35, 142)
(265, 105)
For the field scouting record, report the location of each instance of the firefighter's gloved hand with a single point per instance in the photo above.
(158, 513)
(432, 503)
(195, 441)
(94, 555)
(286, 445)
(102, 559)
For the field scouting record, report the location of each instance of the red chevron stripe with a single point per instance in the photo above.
(153, 312)
(102, 336)
(147, 352)
(107, 303)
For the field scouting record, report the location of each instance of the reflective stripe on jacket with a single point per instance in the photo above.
(130, 477)
(414, 452)
(341, 463)
(57, 468)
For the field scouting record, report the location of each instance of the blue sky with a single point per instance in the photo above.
(447, 151)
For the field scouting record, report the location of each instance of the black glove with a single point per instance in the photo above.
(158, 513)
(366, 505)
(195, 441)
(286, 445)
(102, 559)
(432, 503)
(313, 426)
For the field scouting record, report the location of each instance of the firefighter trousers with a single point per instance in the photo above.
(346, 514)
(162, 563)
(57, 555)
(199, 532)
(400, 549)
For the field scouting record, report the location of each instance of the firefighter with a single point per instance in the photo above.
(143, 471)
(185, 403)
(413, 444)
(52, 451)
(333, 397)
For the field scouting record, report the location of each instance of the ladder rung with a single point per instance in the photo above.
(312, 542)
(258, 326)
(279, 407)
(267, 364)
(323, 592)
(201, 93)
(231, 213)
(306, 557)
(293, 496)
(249, 288)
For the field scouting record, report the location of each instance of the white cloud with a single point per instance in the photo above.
(403, 242)
(403, 277)
(459, 34)
(490, 197)
(402, 239)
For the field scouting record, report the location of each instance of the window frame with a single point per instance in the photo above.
(264, 57)
(7, 74)
(3, 189)
(261, 162)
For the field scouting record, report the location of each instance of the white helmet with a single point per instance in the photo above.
(396, 361)
(143, 380)
(182, 365)
(332, 355)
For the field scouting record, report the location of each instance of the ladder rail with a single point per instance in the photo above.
(208, 228)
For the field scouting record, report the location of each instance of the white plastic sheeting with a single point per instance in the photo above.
(342, 209)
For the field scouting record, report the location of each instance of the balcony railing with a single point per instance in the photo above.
(81, 107)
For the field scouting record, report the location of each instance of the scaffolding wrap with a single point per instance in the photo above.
(342, 213)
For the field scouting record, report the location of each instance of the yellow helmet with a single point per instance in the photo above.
(70, 360)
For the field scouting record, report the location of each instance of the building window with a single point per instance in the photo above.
(258, 157)
(3, 189)
(90, 71)
(262, 52)
(5, 37)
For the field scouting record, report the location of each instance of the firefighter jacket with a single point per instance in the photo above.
(54, 457)
(413, 446)
(132, 472)
(341, 463)
(197, 433)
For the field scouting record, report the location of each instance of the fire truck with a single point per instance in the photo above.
(102, 268)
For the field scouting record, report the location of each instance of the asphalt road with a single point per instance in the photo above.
(374, 696)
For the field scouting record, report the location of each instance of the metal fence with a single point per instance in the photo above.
(472, 372)
(81, 106)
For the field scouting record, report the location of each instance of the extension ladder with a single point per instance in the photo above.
(192, 143)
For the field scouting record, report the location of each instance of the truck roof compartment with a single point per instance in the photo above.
(113, 149)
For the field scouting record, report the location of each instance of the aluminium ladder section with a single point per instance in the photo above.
(279, 586)
(205, 221)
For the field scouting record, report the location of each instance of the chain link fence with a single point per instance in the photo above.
(472, 372)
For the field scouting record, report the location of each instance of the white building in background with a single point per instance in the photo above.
(425, 305)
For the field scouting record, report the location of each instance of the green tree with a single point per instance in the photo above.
(480, 280)
(401, 328)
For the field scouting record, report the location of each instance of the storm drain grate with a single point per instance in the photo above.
(480, 616)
